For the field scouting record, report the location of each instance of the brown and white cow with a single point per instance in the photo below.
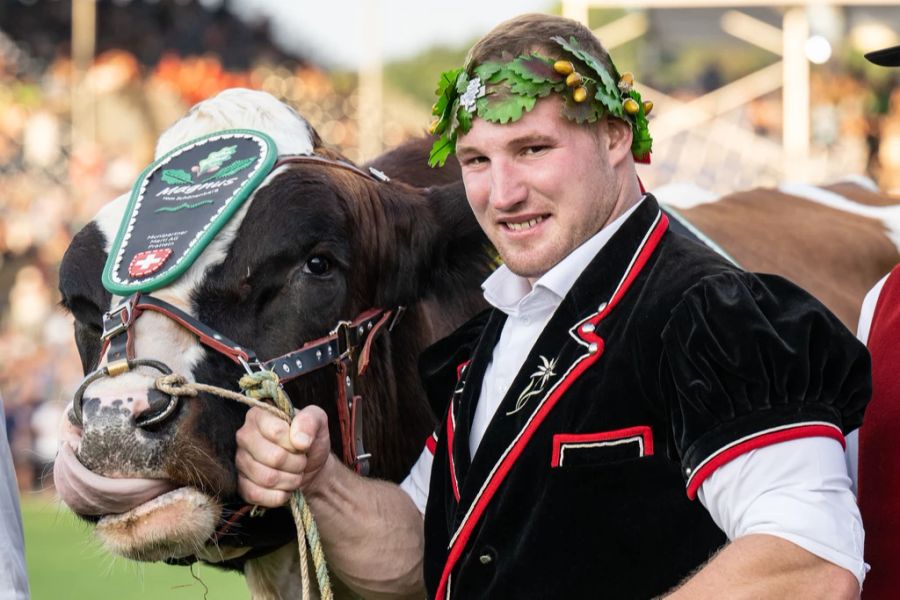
(317, 244)
(836, 241)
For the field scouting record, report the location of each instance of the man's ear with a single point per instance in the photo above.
(618, 137)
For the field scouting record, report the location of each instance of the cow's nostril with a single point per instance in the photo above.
(160, 406)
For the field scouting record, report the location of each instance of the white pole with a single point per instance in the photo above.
(795, 97)
(576, 9)
(84, 30)
(370, 110)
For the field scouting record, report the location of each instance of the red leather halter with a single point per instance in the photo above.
(347, 347)
(349, 343)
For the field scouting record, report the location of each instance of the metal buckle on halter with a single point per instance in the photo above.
(127, 306)
(397, 314)
(342, 335)
(248, 365)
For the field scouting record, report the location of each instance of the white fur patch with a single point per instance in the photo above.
(240, 108)
(867, 183)
(684, 195)
(109, 218)
(888, 215)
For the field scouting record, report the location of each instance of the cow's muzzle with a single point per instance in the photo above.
(160, 406)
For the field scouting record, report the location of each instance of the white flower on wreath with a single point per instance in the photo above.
(474, 91)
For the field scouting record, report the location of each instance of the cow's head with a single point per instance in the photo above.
(314, 244)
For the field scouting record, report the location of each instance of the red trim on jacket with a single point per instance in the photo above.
(760, 440)
(450, 431)
(640, 432)
(431, 443)
(460, 540)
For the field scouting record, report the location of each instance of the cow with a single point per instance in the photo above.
(319, 246)
(835, 240)
(318, 243)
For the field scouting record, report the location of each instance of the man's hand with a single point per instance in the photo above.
(371, 530)
(274, 459)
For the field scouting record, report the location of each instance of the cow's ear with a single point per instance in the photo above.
(443, 254)
(462, 255)
(82, 293)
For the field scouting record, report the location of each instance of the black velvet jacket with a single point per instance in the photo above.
(662, 363)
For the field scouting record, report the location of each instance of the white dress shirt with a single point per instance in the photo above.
(866, 313)
(797, 490)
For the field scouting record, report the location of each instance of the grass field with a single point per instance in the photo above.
(66, 563)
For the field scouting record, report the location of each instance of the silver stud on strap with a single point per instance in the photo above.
(593, 348)
(587, 328)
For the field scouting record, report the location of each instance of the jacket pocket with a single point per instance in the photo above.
(582, 449)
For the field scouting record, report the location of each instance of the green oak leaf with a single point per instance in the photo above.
(442, 148)
(502, 106)
(612, 103)
(535, 68)
(521, 85)
(581, 112)
(608, 87)
(487, 70)
(642, 143)
(176, 176)
(465, 119)
(462, 82)
(446, 91)
(232, 168)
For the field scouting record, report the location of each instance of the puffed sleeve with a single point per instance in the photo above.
(750, 360)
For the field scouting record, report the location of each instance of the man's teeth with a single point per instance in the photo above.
(525, 225)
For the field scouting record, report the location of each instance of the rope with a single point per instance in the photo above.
(258, 386)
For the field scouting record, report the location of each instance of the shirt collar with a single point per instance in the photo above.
(514, 295)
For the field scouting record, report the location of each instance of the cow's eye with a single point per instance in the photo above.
(317, 265)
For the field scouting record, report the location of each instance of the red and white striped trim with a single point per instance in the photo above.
(595, 346)
(451, 430)
(760, 439)
(431, 443)
(641, 435)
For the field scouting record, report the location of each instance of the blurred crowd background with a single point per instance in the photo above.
(154, 58)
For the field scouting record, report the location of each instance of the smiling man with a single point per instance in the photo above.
(635, 416)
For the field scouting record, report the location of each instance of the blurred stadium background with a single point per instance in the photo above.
(746, 93)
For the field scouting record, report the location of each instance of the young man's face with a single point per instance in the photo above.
(540, 186)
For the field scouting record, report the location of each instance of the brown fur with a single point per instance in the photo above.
(834, 255)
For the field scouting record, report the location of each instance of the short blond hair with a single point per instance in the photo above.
(533, 33)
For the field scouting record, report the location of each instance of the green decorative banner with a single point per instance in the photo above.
(179, 204)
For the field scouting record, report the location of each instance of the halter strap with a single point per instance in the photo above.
(373, 173)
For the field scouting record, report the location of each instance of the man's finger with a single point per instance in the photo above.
(308, 424)
(267, 477)
(254, 494)
(270, 427)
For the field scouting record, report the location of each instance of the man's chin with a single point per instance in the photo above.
(530, 265)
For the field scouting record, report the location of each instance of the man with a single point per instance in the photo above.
(623, 371)
(878, 463)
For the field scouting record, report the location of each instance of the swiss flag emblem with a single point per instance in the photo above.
(148, 262)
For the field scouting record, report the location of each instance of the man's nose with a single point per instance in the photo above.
(507, 185)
